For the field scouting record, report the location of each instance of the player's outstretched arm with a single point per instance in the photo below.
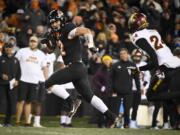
(82, 31)
(153, 63)
(79, 31)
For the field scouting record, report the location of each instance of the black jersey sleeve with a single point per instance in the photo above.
(153, 62)
(68, 28)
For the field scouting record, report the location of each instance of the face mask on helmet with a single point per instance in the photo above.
(56, 16)
(137, 21)
(136, 55)
(136, 59)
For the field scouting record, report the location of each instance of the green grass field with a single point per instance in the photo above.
(81, 127)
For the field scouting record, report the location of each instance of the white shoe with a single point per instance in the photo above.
(76, 104)
(37, 125)
(133, 124)
(156, 128)
(166, 126)
(1, 125)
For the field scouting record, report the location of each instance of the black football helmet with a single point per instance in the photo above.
(57, 15)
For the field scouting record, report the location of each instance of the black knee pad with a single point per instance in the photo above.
(89, 97)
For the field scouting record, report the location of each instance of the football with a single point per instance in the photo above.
(48, 44)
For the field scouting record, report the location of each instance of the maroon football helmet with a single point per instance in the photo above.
(137, 21)
(137, 52)
(136, 55)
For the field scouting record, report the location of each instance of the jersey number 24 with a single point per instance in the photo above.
(157, 43)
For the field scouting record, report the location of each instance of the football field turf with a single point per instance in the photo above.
(81, 127)
(82, 131)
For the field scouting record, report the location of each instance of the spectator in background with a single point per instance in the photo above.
(177, 42)
(94, 63)
(113, 46)
(177, 10)
(169, 41)
(177, 52)
(177, 30)
(123, 73)
(102, 81)
(2, 41)
(78, 21)
(33, 66)
(40, 31)
(167, 22)
(9, 73)
(120, 22)
(33, 16)
(12, 40)
(101, 43)
(153, 11)
(23, 36)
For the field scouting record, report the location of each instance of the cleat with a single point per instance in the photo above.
(114, 122)
(75, 105)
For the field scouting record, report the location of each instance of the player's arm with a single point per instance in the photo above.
(137, 79)
(153, 63)
(82, 31)
(48, 43)
(45, 72)
(78, 31)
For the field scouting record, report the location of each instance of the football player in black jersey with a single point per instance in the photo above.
(66, 37)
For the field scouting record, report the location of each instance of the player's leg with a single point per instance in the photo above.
(22, 92)
(175, 88)
(127, 102)
(155, 113)
(27, 112)
(135, 104)
(63, 76)
(60, 77)
(9, 97)
(40, 97)
(84, 89)
(31, 96)
(60, 91)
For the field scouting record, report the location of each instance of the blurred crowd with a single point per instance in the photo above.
(107, 19)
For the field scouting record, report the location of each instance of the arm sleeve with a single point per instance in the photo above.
(18, 75)
(137, 79)
(18, 55)
(153, 63)
(68, 28)
(43, 61)
(0, 68)
(72, 33)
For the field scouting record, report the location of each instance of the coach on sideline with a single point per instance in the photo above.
(33, 66)
(9, 70)
(123, 73)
